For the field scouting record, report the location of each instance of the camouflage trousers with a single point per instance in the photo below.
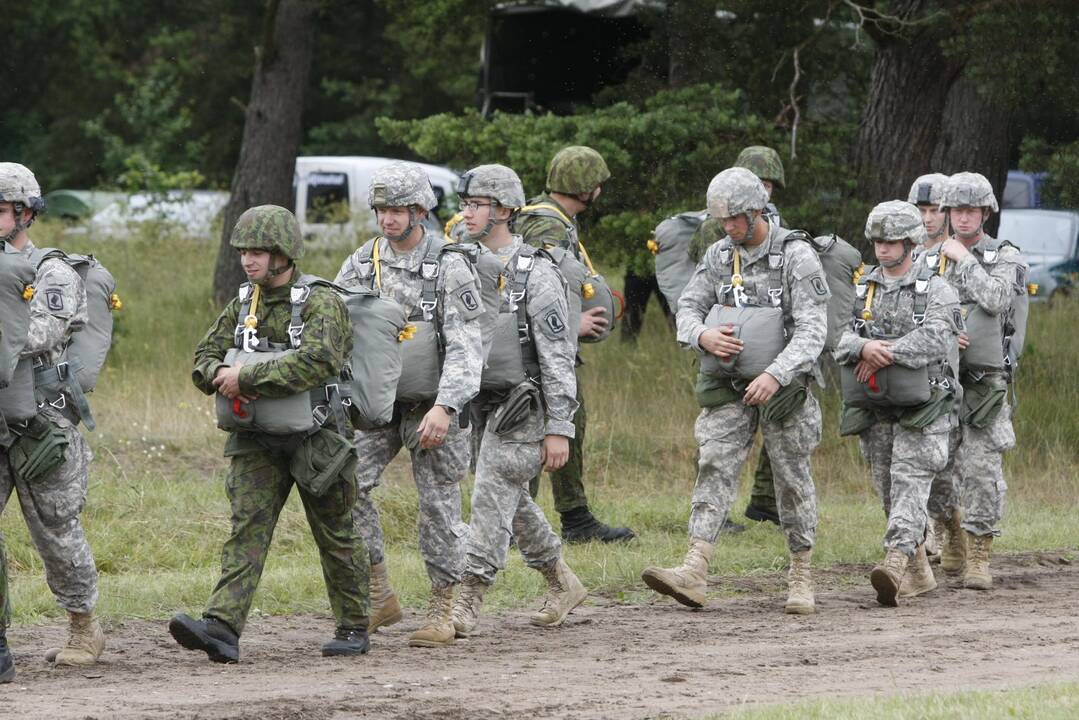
(903, 463)
(980, 465)
(258, 484)
(944, 492)
(567, 483)
(437, 473)
(502, 508)
(725, 435)
(51, 510)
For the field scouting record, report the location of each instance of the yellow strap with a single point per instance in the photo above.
(943, 265)
(858, 274)
(867, 313)
(736, 279)
(252, 321)
(552, 208)
(378, 268)
(450, 225)
(587, 260)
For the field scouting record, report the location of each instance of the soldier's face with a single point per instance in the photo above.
(392, 220)
(256, 264)
(889, 252)
(736, 226)
(933, 218)
(476, 212)
(967, 221)
(768, 186)
(7, 218)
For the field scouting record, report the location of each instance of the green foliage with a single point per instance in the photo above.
(662, 153)
(1061, 188)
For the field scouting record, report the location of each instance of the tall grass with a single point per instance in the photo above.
(157, 513)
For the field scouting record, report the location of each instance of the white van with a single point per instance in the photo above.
(331, 196)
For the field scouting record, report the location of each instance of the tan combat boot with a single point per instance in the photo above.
(687, 582)
(934, 539)
(466, 610)
(953, 553)
(887, 576)
(564, 593)
(979, 548)
(385, 609)
(85, 641)
(800, 585)
(919, 576)
(438, 630)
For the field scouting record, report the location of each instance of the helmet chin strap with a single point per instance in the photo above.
(889, 264)
(491, 222)
(751, 225)
(19, 224)
(412, 223)
(273, 272)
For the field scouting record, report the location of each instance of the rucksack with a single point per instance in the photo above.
(843, 267)
(17, 402)
(675, 264)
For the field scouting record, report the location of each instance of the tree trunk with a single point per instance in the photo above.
(273, 127)
(974, 136)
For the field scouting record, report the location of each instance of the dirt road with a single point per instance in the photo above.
(610, 661)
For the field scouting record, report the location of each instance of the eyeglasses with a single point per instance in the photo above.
(473, 205)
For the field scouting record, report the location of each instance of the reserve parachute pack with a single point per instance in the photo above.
(513, 358)
(424, 353)
(305, 412)
(64, 385)
(581, 277)
(675, 263)
(17, 402)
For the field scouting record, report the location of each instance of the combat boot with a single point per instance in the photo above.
(687, 582)
(85, 641)
(887, 576)
(934, 538)
(7, 662)
(214, 637)
(385, 608)
(953, 552)
(564, 593)
(580, 526)
(439, 628)
(347, 641)
(466, 609)
(800, 599)
(919, 576)
(979, 548)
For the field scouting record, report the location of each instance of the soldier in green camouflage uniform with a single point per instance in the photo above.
(262, 471)
(574, 180)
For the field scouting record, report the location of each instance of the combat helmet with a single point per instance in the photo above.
(272, 228)
(927, 189)
(497, 182)
(968, 189)
(763, 162)
(401, 184)
(576, 170)
(895, 220)
(19, 186)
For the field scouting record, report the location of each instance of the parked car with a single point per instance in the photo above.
(331, 196)
(1049, 240)
(1023, 190)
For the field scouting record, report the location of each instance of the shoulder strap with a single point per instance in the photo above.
(367, 267)
(992, 247)
(244, 336)
(921, 291)
(546, 210)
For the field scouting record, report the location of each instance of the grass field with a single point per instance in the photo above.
(157, 513)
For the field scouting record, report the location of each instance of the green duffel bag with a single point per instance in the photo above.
(760, 328)
(38, 451)
(322, 460)
(505, 368)
(717, 391)
(785, 402)
(420, 366)
(855, 421)
(893, 386)
(17, 400)
(984, 332)
(274, 416)
(982, 401)
(376, 358)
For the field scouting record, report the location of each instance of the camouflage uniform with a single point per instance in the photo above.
(51, 506)
(501, 505)
(903, 460)
(437, 472)
(259, 480)
(725, 433)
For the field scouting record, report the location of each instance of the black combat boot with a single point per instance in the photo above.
(762, 513)
(347, 641)
(209, 634)
(7, 663)
(731, 528)
(580, 526)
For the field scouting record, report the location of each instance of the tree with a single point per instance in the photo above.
(273, 127)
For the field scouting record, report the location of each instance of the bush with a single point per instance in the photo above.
(1061, 188)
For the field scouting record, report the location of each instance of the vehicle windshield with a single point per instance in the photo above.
(1038, 233)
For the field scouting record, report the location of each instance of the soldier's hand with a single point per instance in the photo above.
(720, 343)
(863, 371)
(877, 354)
(964, 341)
(555, 452)
(593, 322)
(433, 427)
(954, 250)
(761, 390)
(227, 382)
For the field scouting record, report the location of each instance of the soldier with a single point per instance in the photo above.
(524, 412)
(51, 501)
(906, 329)
(989, 276)
(296, 334)
(574, 180)
(945, 541)
(768, 280)
(438, 291)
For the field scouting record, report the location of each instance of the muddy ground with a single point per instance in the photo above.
(608, 661)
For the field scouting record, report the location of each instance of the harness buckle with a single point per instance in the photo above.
(776, 295)
(523, 335)
(428, 307)
(320, 414)
(299, 294)
(740, 296)
(775, 260)
(918, 318)
(525, 263)
(295, 333)
(364, 269)
(249, 339)
(429, 270)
